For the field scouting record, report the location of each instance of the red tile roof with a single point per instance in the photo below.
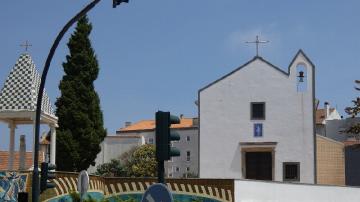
(150, 125)
(352, 142)
(4, 160)
(320, 115)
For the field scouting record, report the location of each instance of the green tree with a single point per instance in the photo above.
(81, 127)
(111, 169)
(142, 162)
(354, 111)
(137, 162)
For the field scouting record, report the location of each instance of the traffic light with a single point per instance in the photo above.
(164, 136)
(117, 2)
(46, 175)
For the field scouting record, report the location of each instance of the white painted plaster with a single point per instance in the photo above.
(225, 120)
(258, 191)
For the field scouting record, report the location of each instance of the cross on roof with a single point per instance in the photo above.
(26, 45)
(257, 42)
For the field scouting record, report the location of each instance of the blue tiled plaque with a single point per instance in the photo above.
(258, 129)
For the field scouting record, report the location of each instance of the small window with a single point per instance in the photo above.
(188, 138)
(177, 169)
(291, 171)
(151, 140)
(188, 156)
(258, 110)
(187, 169)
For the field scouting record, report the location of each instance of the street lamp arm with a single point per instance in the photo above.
(35, 181)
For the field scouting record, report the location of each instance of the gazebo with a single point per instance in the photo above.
(18, 103)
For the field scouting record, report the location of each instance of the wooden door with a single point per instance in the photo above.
(258, 165)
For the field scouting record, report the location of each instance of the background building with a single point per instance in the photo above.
(333, 129)
(143, 132)
(330, 156)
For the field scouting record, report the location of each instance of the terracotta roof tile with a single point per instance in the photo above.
(320, 115)
(45, 138)
(4, 160)
(45, 141)
(352, 142)
(150, 125)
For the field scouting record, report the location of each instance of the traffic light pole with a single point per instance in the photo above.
(161, 172)
(164, 136)
(35, 178)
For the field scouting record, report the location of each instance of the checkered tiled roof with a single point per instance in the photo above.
(21, 87)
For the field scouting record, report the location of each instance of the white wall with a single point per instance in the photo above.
(183, 145)
(113, 146)
(225, 120)
(256, 191)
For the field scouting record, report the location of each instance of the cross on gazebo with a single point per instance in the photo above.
(257, 42)
(26, 45)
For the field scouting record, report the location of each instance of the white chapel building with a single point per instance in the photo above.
(258, 122)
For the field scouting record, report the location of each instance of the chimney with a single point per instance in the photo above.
(127, 123)
(22, 153)
(196, 121)
(327, 110)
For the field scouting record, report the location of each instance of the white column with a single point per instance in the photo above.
(12, 127)
(53, 144)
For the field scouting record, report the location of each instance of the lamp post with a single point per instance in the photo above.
(35, 178)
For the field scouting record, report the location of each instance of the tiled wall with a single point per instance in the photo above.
(330, 161)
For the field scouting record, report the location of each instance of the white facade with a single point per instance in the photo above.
(114, 146)
(187, 162)
(227, 131)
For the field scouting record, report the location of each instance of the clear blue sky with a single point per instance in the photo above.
(155, 55)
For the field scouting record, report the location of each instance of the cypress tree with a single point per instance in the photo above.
(81, 129)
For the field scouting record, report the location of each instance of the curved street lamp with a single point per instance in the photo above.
(35, 178)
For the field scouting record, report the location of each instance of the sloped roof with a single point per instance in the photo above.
(21, 87)
(352, 143)
(300, 52)
(150, 125)
(320, 115)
